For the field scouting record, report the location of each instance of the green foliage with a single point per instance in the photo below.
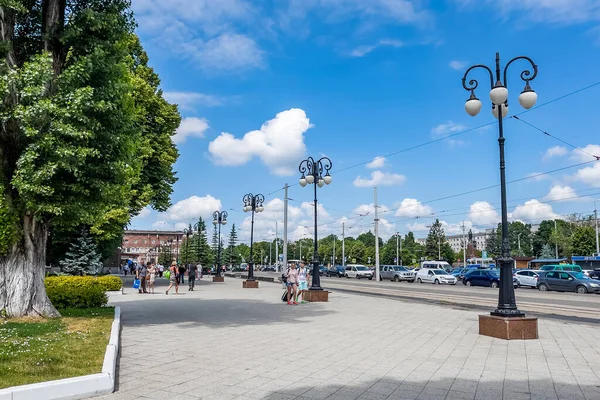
(584, 241)
(436, 241)
(109, 282)
(82, 257)
(547, 252)
(8, 226)
(73, 294)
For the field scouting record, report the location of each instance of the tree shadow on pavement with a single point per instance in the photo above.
(193, 312)
(476, 387)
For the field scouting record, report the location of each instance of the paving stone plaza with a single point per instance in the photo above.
(225, 342)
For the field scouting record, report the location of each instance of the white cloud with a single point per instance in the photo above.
(230, 52)
(279, 143)
(144, 213)
(533, 211)
(545, 11)
(483, 213)
(362, 51)
(413, 208)
(458, 65)
(190, 127)
(446, 129)
(378, 162)
(583, 156)
(379, 178)
(191, 208)
(555, 151)
(188, 100)
(563, 193)
(589, 175)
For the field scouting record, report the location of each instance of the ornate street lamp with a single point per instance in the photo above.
(252, 203)
(187, 232)
(315, 173)
(507, 306)
(219, 218)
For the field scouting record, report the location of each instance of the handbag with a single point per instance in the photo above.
(136, 284)
(167, 274)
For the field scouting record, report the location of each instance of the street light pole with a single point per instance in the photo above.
(253, 204)
(507, 306)
(312, 173)
(597, 238)
(219, 218)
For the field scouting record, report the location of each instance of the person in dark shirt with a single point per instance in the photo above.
(181, 274)
(192, 276)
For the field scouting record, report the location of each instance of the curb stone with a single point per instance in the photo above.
(80, 387)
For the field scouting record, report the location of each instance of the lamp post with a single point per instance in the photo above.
(507, 306)
(187, 232)
(253, 204)
(312, 173)
(219, 218)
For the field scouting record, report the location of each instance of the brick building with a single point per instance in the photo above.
(141, 246)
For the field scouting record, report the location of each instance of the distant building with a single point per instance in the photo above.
(456, 241)
(142, 246)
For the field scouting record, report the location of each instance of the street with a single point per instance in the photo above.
(566, 306)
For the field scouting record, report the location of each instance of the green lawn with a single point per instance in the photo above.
(33, 350)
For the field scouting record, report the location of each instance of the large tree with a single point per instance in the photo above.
(85, 139)
(584, 241)
(435, 245)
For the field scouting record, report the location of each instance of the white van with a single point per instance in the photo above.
(435, 265)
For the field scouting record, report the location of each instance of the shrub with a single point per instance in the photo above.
(73, 296)
(110, 282)
(80, 291)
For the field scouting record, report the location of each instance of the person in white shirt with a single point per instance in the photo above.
(302, 281)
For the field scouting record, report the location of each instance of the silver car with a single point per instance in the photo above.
(397, 273)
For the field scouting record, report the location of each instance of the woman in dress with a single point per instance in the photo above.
(152, 277)
(173, 278)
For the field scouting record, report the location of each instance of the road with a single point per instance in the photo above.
(572, 306)
(565, 306)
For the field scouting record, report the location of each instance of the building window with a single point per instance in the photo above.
(135, 242)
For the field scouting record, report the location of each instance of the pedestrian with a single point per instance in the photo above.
(292, 284)
(173, 278)
(161, 270)
(125, 269)
(302, 281)
(140, 273)
(152, 275)
(192, 276)
(182, 274)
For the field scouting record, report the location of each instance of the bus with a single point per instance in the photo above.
(483, 263)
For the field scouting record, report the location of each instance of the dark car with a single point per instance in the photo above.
(481, 277)
(595, 274)
(322, 269)
(568, 281)
(336, 270)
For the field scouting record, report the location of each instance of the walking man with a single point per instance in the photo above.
(140, 273)
(192, 276)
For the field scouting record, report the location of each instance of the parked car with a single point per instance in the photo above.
(336, 270)
(437, 276)
(561, 267)
(526, 277)
(481, 277)
(568, 281)
(397, 273)
(595, 274)
(435, 265)
(358, 271)
(459, 273)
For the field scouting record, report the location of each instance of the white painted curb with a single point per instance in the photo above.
(80, 387)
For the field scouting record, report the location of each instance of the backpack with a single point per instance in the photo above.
(284, 276)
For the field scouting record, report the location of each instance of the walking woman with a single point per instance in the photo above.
(173, 278)
(152, 276)
(292, 285)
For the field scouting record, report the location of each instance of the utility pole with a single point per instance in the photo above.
(401, 263)
(343, 245)
(300, 249)
(556, 239)
(270, 250)
(276, 246)
(439, 249)
(519, 241)
(597, 238)
(376, 238)
(285, 228)
(397, 252)
(464, 247)
(334, 240)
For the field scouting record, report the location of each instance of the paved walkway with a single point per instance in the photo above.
(224, 342)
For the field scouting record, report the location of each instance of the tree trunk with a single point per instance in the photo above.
(53, 22)
(22, 270)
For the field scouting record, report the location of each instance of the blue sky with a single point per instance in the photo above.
(263, 84)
